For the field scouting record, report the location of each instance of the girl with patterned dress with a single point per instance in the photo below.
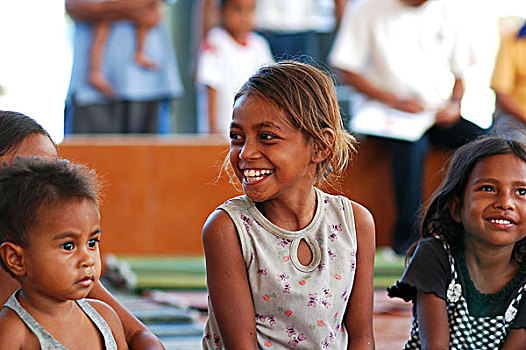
(466, 276)
(288, 265)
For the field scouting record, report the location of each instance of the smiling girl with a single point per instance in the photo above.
(467, 276)
(288, 265)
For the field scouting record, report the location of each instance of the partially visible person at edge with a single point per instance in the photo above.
(22, 136)
(467, 274)
(509, 83)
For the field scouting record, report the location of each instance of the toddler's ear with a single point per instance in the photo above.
(12, 255)
(454, 209)
(320, 153)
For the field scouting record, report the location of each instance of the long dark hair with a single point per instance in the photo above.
(437, 218)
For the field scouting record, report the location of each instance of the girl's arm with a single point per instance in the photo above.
(112, 319)
(516, 340)
(433, 324)
(359, 314)
(227, 281)
(363, 85)
(137, 335)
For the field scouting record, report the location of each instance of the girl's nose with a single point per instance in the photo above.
(249, 151)
(505, 201)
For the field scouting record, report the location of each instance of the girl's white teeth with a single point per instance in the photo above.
(500, 221)
(256, 173)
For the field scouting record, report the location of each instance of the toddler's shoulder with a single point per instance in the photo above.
(13, 332)
(104, 310)
(112, 319)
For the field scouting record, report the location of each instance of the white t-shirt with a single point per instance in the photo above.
(224, 65)
(287, 16)
(408, 51)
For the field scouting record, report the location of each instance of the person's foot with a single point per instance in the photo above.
(99, 82)
(145, 62)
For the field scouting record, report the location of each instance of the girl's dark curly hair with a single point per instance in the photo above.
(437, 219)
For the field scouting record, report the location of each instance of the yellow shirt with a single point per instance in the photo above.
(509, 76)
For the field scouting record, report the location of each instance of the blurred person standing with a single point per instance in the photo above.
(230, 54)
(509, 83)
(408, 55)
(141, 101)
(292, 27)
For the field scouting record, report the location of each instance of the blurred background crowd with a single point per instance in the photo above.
(47, 47)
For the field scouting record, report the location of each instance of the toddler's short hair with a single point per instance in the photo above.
(26, 184)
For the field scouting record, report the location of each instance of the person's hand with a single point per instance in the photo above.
(409, 106)
(405, 105)
(448, 115)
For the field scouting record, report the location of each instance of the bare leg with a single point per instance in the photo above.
(140, 58)
(101, 30)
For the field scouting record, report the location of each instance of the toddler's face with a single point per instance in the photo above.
(238, 17)
(63, 258)
(493, 211)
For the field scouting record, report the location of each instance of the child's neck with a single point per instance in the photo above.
(490, 270)
(289, 213)
(64, 320)
(36, 303)
(240, 38)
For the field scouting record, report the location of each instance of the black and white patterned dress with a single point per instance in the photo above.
(466, 331)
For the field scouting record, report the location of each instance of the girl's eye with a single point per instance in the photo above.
(267, 137)
(486, 188)
(67, 246)
(235, 137)
(92, 243)
(522, 191)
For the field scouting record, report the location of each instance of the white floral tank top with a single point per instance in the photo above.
(296, 306)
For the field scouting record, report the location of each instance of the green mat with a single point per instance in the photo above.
(151, 272)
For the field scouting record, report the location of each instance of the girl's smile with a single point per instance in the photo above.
(255, 175)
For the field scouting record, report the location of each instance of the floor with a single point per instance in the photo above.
(392, 321)
(180, 329)
(176, 314)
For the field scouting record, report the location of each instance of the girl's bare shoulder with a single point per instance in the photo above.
(219, 225)
(362, 216)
